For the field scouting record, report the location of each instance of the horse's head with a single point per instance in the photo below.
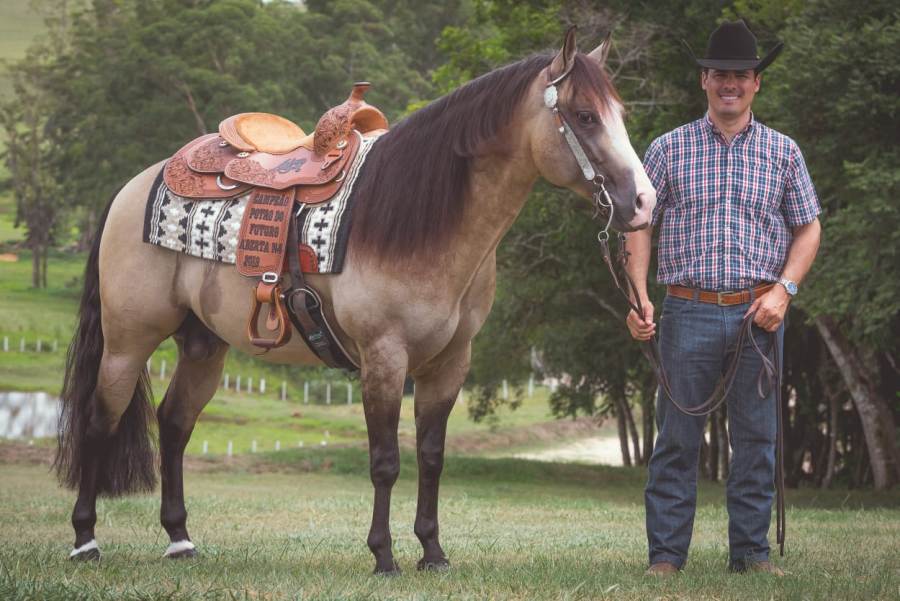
(578, 137)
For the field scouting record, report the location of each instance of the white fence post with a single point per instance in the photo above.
(230, 448)
(250, 385)
(6, 344)
(253, 446)
(349, 393)
(150, 365)
(283, 390)
(205, 447)
(226, 382)
(277, 445)
(328, 393)
(262, 386)
(306, 392)
(162, 370)
(21, 345)
(237, 383)
(530, 386)
(40, 344)
(505, 389)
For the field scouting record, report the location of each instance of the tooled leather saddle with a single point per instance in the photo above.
(279, 165)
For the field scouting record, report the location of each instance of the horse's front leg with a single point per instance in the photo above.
(383, 372)
(436, 394)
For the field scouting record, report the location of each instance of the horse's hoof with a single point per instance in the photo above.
(87, 552)
(394, 570)
(182, 549)
(433, 565)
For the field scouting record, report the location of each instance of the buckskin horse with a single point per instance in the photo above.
(438, 193)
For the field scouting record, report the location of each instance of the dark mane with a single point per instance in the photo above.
(412, 192)
(412, 189)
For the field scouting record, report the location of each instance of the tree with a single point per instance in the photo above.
(836, 92)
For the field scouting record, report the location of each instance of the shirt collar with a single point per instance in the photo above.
(714, 131)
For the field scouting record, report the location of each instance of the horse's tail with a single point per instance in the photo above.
(127, 458)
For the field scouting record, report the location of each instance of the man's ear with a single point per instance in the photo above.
(704, 74)
(600, 53)
(565, 59)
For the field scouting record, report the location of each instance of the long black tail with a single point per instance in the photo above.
(126, 459)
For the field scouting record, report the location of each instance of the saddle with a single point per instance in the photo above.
(279, 165)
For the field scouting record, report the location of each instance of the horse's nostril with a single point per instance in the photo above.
(639, 202)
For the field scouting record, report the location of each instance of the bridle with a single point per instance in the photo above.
(769, 372)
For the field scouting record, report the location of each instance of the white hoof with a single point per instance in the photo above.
(89, 550)
(182, 548)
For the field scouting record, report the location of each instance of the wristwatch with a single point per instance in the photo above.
(790, 286)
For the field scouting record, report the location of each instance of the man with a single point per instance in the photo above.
(739, 233)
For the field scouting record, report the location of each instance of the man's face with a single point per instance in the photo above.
(730, 93)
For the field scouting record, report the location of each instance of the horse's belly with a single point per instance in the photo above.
(221, 298)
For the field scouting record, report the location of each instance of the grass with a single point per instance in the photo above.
(293, 526)
(19, 26)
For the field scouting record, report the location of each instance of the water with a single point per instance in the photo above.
(28, 414)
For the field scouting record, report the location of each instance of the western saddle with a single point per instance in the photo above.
(278, 164)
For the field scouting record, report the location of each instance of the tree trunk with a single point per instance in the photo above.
(874, 412)
(623, 433)
(648, 396)
(44, 253)
(832, 439)
(713, 457)
(632, 429)
(35, 266)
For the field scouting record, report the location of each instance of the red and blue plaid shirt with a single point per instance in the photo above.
(727, 209)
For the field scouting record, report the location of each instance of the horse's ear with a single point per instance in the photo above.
(565, 59)
(600, 53)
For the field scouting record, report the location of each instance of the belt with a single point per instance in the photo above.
(735, 297)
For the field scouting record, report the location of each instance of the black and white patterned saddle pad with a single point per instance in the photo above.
(209, 228)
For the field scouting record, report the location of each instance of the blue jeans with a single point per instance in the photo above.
(697, 343)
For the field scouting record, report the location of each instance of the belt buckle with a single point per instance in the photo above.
(720, 301)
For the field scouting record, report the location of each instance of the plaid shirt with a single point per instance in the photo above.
(727, 209)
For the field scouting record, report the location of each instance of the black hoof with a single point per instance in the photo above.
(433, 565)
(394, 570)
(186, 554)
(89, 555)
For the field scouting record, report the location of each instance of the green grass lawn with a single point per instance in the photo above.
(293, 526)
(19, 26)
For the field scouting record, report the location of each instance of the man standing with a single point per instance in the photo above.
(739, 232)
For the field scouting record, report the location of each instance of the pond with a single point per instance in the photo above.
(28, 414)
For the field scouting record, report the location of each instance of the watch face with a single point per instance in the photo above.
(791, 288)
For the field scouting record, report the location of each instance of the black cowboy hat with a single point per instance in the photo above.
(732, 47)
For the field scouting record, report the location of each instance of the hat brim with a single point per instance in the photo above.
(741, 64)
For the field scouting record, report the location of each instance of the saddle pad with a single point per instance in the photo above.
(209, 229)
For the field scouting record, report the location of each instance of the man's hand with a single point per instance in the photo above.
(770, 308)
(642, 328)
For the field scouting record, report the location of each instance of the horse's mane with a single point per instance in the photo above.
(412, 192)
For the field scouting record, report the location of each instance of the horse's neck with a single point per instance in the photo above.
(500, 185)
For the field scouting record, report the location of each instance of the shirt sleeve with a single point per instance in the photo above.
(655, 166)
(801, 205)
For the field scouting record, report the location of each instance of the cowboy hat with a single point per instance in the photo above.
(732, 47)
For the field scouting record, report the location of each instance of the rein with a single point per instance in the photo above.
(769, 372)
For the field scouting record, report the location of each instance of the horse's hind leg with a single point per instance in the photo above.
(436, 394)
(201, 356)
(114, 453)
(383, 371)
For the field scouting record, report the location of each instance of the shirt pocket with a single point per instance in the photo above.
(760, 185)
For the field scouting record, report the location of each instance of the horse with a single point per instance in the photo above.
(443, 187)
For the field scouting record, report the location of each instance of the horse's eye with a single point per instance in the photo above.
(586, 117)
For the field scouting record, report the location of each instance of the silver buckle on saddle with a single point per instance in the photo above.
(270, 277)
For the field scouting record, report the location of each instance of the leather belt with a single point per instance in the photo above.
(723, 299)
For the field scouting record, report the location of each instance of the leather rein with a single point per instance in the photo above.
(769, 372)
